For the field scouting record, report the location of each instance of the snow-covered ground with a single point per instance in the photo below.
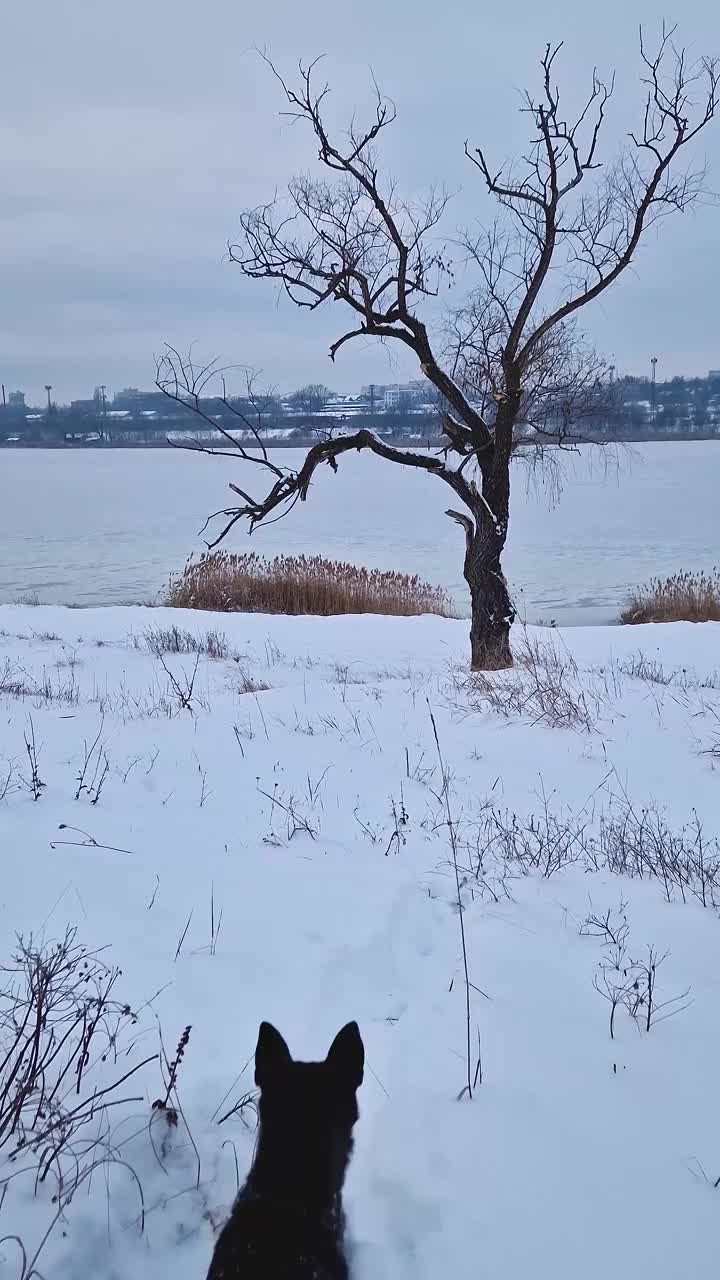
(281, 848)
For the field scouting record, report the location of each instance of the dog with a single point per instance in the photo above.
(287, 1222)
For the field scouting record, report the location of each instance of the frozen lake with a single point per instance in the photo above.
(109, 527)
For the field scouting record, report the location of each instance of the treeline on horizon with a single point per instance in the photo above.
(633, 408)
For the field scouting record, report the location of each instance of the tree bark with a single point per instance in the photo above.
(492, 611)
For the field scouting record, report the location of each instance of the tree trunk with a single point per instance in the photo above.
(492, 610)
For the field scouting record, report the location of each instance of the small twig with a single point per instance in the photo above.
(88, 843)
(477, 1079)
(151, 903)
(262, 717)
(468, 1088)
(34, 783)
(183, 934)
(229, 1142)
(89, 753)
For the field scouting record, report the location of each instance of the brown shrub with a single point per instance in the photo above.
(684, 597)
(228, 582)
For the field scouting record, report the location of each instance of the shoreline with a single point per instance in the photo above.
(30, 603)
(416, 442)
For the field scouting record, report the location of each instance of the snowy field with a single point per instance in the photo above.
(267, 832)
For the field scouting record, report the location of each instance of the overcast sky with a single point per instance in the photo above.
(132, 134)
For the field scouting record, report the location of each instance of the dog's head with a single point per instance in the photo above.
(308, 1109)
(338, 1077)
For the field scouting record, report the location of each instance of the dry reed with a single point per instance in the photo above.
(684, 597)
(247, 583)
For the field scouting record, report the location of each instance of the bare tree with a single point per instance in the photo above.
(310, 399)
(513, 367)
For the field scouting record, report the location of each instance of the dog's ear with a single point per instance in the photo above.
(347, 1055)
(271, 1055)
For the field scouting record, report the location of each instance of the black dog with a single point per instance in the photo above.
(287, 1222)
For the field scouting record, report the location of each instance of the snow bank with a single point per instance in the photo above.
(279, 849)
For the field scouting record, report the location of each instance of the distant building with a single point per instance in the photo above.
(16, 400)
(714, 374)
(392, 396)
(396, 395)
(135, 401)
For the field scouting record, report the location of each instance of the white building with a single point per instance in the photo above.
(397, 395)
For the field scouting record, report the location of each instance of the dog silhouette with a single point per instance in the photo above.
(287, 1222)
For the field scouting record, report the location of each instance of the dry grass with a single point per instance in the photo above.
(684, 597)
(639, 844)
(247, 683)
(228, 582)
(161, 640)
(68, 1061)
(545, 686)
(16, 682)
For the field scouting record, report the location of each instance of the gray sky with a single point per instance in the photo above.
(131, 134)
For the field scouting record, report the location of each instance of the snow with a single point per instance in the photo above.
(578, 1154)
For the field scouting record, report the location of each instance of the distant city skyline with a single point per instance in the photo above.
(38, 398)
(389, 373)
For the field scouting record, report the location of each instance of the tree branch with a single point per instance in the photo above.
(184, 382)
(294, 485)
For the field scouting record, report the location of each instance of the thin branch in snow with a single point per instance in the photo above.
(468, 1087)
